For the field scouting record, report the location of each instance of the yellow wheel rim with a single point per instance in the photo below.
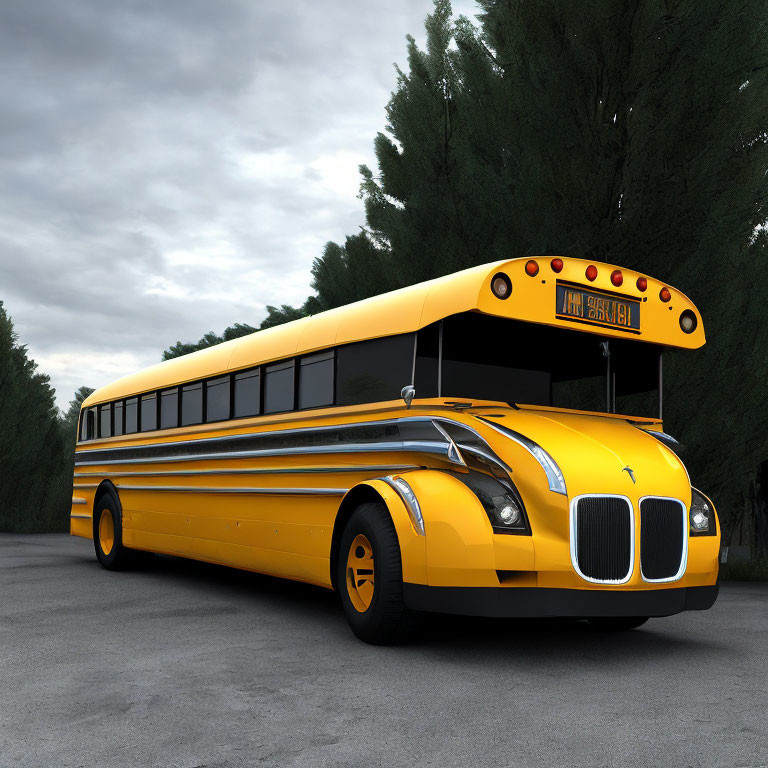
(106, 531)
(360, 573)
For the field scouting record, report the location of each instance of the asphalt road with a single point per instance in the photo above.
(186, 664)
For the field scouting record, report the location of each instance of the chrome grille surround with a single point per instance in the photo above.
(684, 553)
(574, 512)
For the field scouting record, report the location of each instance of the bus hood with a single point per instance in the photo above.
(596, 454)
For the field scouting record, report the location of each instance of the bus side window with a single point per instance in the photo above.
(316, 373)
(247, 394)
(192, 404)
(131, 415)
(278, 387)
(90, 427)
(148, 412)
(105, 420)
(169, 408)
(217, 399)
(373, 371)
(83, 426)
(117, 421)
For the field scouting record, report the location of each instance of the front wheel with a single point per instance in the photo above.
(617, 623)
(369, 577)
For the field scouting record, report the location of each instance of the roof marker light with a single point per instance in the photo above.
(642, 284)
(591, 272)
(664, 294)
(616, 277)
(688, 321)
(501, 286)
(532, 268)
(557, 265)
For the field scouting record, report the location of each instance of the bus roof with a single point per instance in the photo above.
(537, 293)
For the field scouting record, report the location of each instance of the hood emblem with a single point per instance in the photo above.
(629, 471)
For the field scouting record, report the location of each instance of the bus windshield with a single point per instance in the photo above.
(492, 358)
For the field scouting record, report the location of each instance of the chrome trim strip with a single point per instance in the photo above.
(246, 435)
(81, 517)
(683, 556)
(85, 485)
(400, 446)
(260, 471)
(453, 452)
(574, 557)
(78, 500)
(262, 491)
(412, 505)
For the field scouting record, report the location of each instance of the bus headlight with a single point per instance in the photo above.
(701, 515)
(510, 514)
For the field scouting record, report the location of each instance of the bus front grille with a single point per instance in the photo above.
(662, 538)
(602, 530)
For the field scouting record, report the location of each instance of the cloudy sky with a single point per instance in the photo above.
(170, 168)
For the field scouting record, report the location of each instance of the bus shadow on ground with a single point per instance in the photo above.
(533, 637)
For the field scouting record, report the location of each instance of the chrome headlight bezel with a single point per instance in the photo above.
(701, 505)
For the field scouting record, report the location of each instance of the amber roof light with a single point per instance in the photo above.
(664, 294)
(532, 268)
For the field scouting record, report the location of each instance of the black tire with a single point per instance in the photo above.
(617, 623)
(117, 557)
(386, 620)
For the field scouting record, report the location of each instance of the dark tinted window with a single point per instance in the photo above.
(247, 394)
(316, 380)
(131, 415)
(493, 358)
(427, 353)
(217, 399)
(192, 404)
(148, 412)
(169, 408)
(83, 425)
(278, 387)
(371, 371)
(118, 420)
(105, 421)
(91, 424)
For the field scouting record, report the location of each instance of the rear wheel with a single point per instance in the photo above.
(617, 623)
(369, 577)
(108, 534)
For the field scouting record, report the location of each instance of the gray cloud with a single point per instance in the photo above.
(171, 168)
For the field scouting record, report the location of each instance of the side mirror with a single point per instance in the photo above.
(408, 393)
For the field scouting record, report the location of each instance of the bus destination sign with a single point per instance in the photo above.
(593, 307)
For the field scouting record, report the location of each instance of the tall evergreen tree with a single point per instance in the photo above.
(210, 339)
(633, 133)
(35, 456)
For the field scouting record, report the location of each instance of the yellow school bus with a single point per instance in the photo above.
(487, 443)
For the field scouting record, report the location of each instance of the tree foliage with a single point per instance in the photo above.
(633, 133)
(35, 452)
(210, 339)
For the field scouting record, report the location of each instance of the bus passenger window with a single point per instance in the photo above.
(105, 421)
(278, 387)
(217, 399)
(192, 404)
(316, 380)
(131, 415)
(148, 412)
(83, 425)
(169, 408)
(247, 394)
(117, 422)
(376, 370)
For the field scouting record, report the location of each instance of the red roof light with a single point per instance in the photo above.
(532, 268)
(642, 284)
(557, 265)
(616, 277)
(664, 294)
(591, 272)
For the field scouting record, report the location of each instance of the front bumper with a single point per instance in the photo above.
(537, 602)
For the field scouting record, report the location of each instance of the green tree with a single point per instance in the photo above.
(35, 455)
(210, 339)
(633, 133)
(70, 418)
